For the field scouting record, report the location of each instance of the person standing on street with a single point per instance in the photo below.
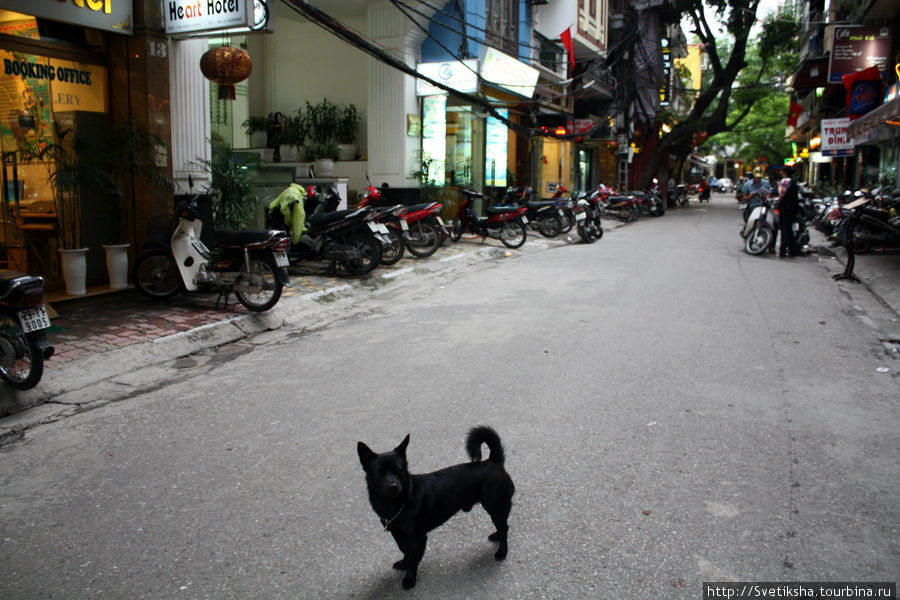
(788, 203)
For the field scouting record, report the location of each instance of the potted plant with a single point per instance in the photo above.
(324, 154)
(346, 131)
(257, 127)
(322, 121)
(230, 186)
(129, 157)
(69, 178)
(295, 132)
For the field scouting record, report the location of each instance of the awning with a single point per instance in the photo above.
(868, 127)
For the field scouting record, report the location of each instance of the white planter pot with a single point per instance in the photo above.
(74, 268)
(117, 265)
(348, 151)
(258, 139)
(288, 152)
(324, 167)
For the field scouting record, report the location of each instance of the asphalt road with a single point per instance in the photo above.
(674, 411)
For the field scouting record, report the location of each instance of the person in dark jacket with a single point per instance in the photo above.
(788, 204)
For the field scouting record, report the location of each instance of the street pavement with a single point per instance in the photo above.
(120, 333)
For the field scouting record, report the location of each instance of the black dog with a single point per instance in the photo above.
(412, 505)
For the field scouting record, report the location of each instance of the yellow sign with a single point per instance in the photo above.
(77, 86)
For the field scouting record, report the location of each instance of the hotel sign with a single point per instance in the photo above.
(193, 16)
(109, 15)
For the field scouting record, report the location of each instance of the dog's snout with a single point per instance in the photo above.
(392, 487)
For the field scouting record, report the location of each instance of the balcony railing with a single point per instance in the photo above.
(549, 55)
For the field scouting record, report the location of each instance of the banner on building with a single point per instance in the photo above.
(836, 140)
(856, 48)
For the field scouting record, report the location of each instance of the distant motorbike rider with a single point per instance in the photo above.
(754, 190)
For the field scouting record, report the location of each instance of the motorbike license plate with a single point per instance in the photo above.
(580, 216)
(382, 228)
(441, 221)
(404, 225)
(281, 258)
(374, 227)
(524, 220)
(561, 212)
(34, 319)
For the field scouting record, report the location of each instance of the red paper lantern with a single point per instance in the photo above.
(226, 66)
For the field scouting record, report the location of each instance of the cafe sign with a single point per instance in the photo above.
(109, 15)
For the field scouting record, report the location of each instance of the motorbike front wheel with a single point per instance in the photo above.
(758, 240)
(392, 254)
(584, 232)
(424, 239)
(261, 286)
(456, 230)
(156, 275)
(21, 361)
(549, 225)
(369, 248)
(513, 234)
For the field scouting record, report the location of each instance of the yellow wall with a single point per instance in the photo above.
(693, 63)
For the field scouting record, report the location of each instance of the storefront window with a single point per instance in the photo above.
(45, 95)
(496, 151)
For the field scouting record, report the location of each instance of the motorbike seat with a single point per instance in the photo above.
(331, 217)
(501, 208)
(418, 207)
(472, 194)
(10, 279)
(244, 237)
(534, 205)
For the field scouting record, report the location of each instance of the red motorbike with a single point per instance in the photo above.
(504, 222)
(425, 231)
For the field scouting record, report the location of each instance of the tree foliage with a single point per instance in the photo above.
(735, 83)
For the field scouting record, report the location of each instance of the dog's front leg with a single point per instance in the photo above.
(413, 547)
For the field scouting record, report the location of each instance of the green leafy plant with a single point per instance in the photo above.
(324, 150)
(322, 121)
(347, 125)
(233, 206)
(254, 124)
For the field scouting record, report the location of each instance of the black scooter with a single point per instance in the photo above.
(23, 319)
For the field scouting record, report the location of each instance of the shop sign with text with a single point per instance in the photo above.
(109, 15)
(461, 76)
(506, 72)
(856, 48)
(190, 16)
(836, 140)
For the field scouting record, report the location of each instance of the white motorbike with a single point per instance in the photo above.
(250, 263)
(760, 229)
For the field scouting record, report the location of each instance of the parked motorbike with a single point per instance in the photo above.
(873, 226)
(424, 231)
(622, 208)
(760, 229)
(587, 218)
(349, 238)
(651, 201)
(542, 216)
(23, 320)
(505, 223)
(252, 264)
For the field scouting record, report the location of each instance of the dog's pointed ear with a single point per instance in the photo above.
(401, 449)
(366, 456)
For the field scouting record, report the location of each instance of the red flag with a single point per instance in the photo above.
(566, 37)
(794, 114)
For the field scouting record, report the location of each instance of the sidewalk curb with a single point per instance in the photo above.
(109, 375)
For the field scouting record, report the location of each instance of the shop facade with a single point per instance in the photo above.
(71, 71)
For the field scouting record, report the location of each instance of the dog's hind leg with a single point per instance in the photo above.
(499, 513)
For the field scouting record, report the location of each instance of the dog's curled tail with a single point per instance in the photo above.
(484, 435)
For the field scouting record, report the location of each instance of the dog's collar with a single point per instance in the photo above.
(387, 522)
